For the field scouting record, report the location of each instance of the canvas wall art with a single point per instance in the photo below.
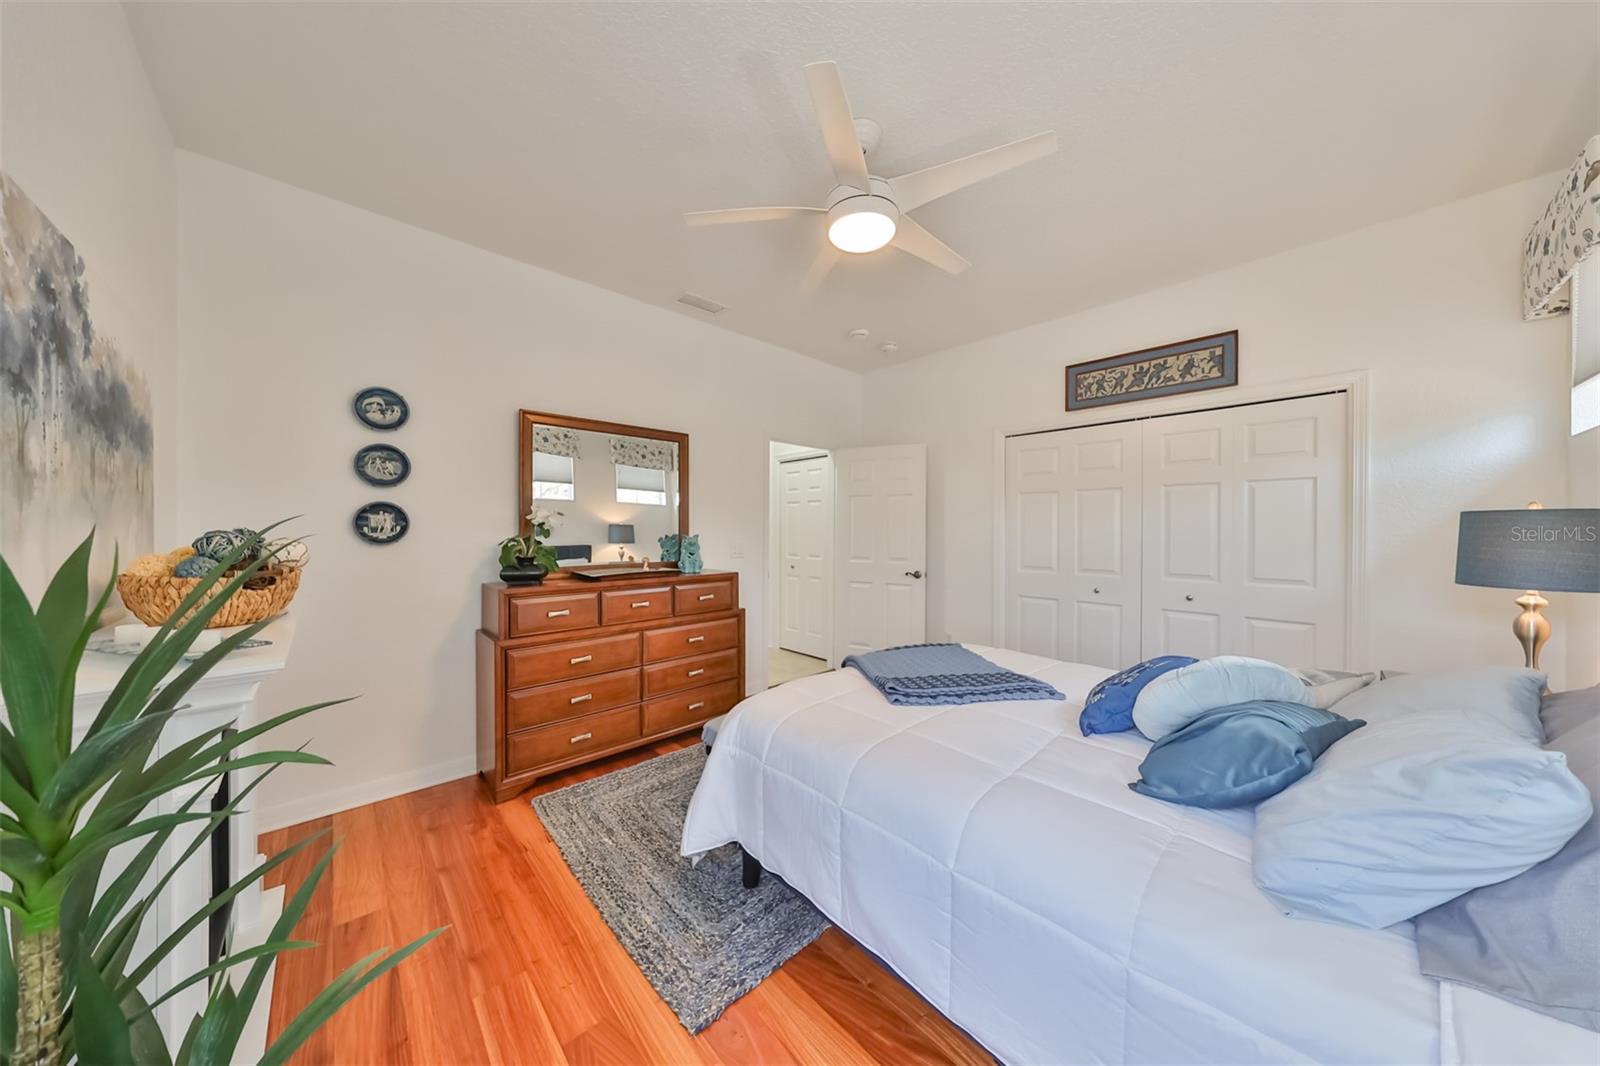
(1187, 366)
(77, 442)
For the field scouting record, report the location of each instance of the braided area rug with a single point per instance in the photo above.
(700, 937)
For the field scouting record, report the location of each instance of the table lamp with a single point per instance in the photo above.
(620, 533)
(1549, 550)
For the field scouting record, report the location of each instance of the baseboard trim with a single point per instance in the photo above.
(322, 804)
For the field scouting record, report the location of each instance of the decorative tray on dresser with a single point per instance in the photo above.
(570, 671)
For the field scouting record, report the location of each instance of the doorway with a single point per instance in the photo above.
(800, 561)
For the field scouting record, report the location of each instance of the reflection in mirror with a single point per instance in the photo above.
(601, 481)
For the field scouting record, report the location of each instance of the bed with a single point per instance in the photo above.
(996, 859)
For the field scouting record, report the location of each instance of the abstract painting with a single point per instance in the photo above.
(1187, 366)
(76, 435)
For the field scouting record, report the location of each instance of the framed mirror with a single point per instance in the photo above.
(618, 488)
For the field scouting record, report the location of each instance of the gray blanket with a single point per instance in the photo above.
(937, 674)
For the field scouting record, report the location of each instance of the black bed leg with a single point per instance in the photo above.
(752, 868)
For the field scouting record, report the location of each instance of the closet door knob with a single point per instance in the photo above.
(1097, 590)
(1189, 598)
(914, 574)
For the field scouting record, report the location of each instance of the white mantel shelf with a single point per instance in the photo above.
(226, 696)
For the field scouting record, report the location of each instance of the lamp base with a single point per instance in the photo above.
(1531, 628)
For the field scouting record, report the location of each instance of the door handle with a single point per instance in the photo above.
(914, 573)
(1097, 590)
(1188, 597)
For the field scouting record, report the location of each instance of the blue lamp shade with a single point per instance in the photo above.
(1551, 550)
(619, 533)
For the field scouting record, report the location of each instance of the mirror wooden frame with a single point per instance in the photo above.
(526, 420)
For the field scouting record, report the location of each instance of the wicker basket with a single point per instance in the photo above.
(153, 595)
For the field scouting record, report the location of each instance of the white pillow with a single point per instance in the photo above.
(1324, 688)
(1175, 699)
(1410, 812)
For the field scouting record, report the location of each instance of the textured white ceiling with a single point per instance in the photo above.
(1193, 136)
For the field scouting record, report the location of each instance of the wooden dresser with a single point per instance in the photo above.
(572, 670)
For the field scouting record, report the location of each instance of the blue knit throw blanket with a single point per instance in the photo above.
(942, 674)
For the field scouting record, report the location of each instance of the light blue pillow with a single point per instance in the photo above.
(1109, 706)
(1173, 700)
(1430, 800)
(1509, 695)
(1239, 754)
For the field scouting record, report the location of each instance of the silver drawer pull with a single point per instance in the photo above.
(558, 614)
(697, 673)
(704, 596)
(581, 737)
(580, 659)
(641, 603)
(697, 705)
(586, 697)
(696, 640)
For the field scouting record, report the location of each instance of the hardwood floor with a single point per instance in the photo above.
(529, 973)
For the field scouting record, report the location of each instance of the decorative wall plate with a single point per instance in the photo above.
(381, 522)
(381, 408)
(382, 464)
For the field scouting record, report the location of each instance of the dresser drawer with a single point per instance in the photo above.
(568, 699)
(686, 708)
(635, 605)
(703, 596)
(552, 614)
(592, 732)
(690, 673)
(558, 662)
(694, 638)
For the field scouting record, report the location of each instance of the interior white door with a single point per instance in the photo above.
(1245, 532)
(1072, 567)
(805, 544)
(880, 548)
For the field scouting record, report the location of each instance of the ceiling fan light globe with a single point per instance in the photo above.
(862, 224)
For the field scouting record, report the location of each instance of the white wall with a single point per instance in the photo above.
(1468, 407)
(81, 134)
(291, 302)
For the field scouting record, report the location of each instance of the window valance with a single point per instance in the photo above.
(553, 440)
(1567, 232)
(649, 454)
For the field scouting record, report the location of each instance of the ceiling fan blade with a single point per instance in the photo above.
(919, 187)
(748, 214)
(912, 238)
(827, 258)
(838, 125)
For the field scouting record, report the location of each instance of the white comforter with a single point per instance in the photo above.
(998, 861)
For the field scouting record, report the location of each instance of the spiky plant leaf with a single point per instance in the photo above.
(99, 1031)
(26, 681)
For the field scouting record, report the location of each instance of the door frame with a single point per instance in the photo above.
(775, 543)
(1353, 383)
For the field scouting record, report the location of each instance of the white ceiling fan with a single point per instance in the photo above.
(866, 212)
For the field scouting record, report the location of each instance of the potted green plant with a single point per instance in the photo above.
(526, 559)
(71, 957)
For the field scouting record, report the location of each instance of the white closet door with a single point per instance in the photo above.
(805, 541)
(1245, 532)
(1072, 544)
(880, 548)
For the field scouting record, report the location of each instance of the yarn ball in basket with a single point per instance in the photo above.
(217, 543)
(195, 566)
(286, 552)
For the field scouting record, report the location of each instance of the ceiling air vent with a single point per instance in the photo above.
(710, 307)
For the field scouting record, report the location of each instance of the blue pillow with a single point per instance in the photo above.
(1109, 708)
(1239, 754)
